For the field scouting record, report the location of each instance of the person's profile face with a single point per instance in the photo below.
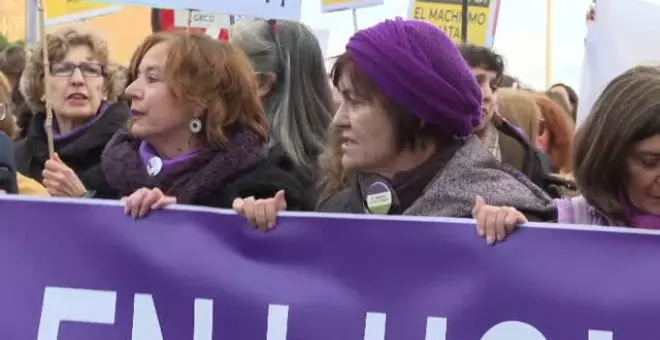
(488, 82)
(155, 112)
(366, 132)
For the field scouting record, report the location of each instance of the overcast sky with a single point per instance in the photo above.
(520, 34)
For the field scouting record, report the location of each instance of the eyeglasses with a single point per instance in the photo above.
(88, 70)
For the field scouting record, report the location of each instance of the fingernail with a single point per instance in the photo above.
(481, 232)
(490, 240)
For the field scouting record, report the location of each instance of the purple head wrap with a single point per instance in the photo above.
(420, 68)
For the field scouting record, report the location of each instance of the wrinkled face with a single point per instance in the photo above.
(643, 165)
(76, 85)
(487, 81)
(155, 113)
(368, 142)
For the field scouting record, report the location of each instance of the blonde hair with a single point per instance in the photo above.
(8, 123)
(521, 110)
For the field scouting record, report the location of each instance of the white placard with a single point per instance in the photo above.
(200, 19)
(621, 37)
(341, 5)
(271, 9)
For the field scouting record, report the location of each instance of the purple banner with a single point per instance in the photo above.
(74, 271)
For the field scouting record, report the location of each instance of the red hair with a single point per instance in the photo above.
(560, 128)
(204, 72)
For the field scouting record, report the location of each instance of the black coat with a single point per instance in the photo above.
(278, 157)
(82, 153)
(263, 180)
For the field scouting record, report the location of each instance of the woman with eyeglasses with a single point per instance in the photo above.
(83, 88)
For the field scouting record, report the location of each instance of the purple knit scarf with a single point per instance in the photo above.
(204, 174)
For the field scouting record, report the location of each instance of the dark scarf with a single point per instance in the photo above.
(202, 176)
(82, 150)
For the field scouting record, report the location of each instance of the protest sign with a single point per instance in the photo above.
(85, 270)
(446, 14)
(340, 5)
(207, 20)
(618, 39)
(64, 11)
(272, 9)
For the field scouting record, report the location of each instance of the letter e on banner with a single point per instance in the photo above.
(436, 328)
(513, 330)
(203, 319)
(278, 319)
(600, 335)
(74, 305)
(374, 326)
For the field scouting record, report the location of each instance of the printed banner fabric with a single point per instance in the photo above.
(75, 270)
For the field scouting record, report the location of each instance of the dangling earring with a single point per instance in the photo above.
(195, 125)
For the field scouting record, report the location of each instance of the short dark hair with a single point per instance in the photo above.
(483, 57)
(410, 131)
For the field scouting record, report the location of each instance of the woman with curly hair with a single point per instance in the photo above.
(83, 90)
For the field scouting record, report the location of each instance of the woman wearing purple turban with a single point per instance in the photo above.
(409, 107)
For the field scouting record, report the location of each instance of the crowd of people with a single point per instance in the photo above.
(406, 123)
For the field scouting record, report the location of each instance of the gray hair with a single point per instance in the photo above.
(299, 107)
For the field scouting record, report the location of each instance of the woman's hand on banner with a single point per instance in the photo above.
(262, 213)
(495, 223)
(144, 200)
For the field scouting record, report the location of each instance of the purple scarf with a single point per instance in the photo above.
(156, 165)
(200, 176)
(639, 218)
(80, 129)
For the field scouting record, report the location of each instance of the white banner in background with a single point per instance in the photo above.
(341, 5)
(206, 19)
(271, 9)
(621, 37)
